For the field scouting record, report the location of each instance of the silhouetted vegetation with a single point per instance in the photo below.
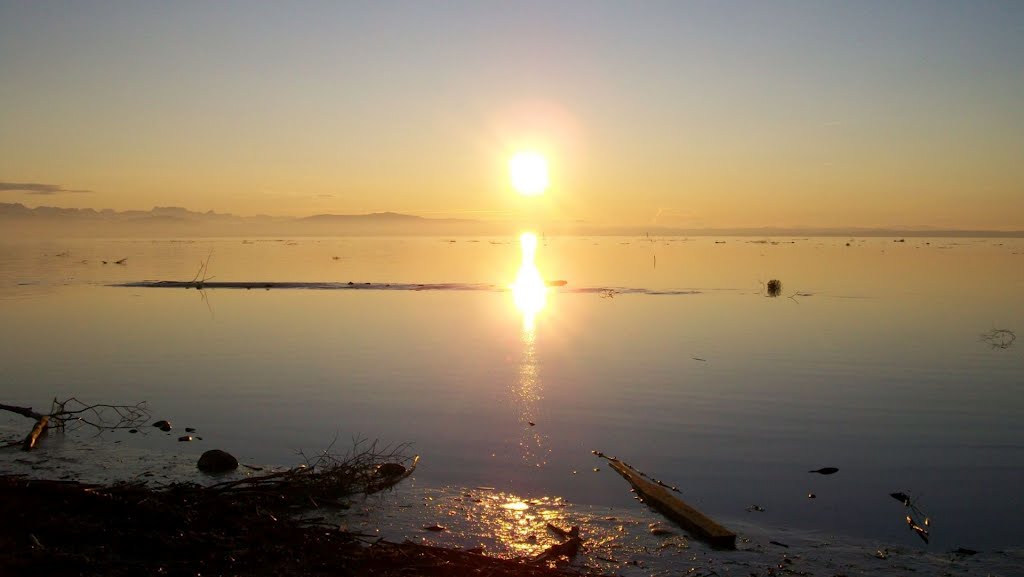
(253, 526)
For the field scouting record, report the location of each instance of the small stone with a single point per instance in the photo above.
(190, 429)
(811, 496)
(659, 530)
(217, 461)
(435, 527)
(133, 430)
(185, 438)
(163, 425)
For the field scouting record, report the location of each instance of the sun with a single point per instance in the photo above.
(529, 171)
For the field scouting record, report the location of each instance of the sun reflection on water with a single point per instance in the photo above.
(530, 295)
(517, 526)
(529, 291)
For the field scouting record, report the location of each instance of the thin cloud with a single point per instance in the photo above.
(37, 188)
(675, 217)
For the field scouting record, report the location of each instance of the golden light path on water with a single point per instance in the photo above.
(530, 295)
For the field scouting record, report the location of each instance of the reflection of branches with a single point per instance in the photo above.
(999, 338)
(200, 278)
(102, 417)
(199, 281)
(73, 414)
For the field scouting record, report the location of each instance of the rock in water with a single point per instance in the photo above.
(390, 470)
(163, 425)
(217, 461)
(825, 470)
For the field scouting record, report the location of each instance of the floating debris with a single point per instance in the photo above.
(999, 338)
(773, 288)
(695, 522)
(921, 531)
(915, 518)
(825, 471)
(901, 497)
(756, 508)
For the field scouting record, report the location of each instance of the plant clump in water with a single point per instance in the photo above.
(999, 338)
(774, 288)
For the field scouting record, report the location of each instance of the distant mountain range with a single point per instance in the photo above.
(17, 219)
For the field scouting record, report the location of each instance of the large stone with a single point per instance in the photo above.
(390, 469)
(217, 461)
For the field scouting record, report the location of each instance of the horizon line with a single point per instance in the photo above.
(608, 229)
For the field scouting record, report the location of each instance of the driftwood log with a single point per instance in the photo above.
(655, 494)
(40, 427)
(37, 430)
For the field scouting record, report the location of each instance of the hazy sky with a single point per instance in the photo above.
(687, 113)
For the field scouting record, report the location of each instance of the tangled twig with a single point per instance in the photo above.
(323, 479)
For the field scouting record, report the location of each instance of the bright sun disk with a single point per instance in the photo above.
(529, 172)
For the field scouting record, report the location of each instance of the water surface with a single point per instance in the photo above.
(664, 352)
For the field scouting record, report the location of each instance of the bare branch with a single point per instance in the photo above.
(73, 414)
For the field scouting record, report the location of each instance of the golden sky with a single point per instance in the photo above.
(694, 114)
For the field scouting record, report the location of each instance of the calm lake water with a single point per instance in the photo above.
(663, 351)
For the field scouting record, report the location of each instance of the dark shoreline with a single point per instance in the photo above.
(71, 528)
